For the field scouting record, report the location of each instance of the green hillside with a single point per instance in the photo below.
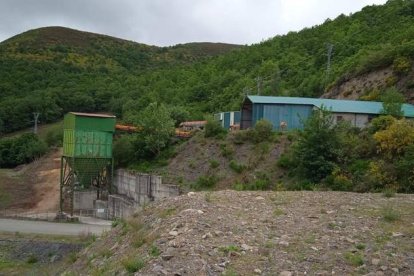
(54, 70)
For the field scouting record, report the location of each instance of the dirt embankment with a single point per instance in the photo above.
(380, 79)
(33, 187)
(268, 233)
(228, 160)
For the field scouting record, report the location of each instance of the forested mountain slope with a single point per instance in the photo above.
(53, 70)
(47, 73)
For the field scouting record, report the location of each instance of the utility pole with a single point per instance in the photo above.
(329, 54)
(36, 119)
(259, 84)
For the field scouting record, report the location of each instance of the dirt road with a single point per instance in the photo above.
(50, 228)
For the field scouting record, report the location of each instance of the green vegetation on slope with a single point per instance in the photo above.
(54, 70)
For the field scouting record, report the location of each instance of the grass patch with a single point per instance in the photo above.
(360, 246)
(138, 241)
(389, 214)
(388, 193)
(229, 248)
(205, 182)
(87, 237)
(207, 197)
(165, 213)
(227, 151)
(230, 272)
(118, 221)
(354, 259)
(72, 257)
(106, 253)
(154, 251)
(133, 265)
(278, 212)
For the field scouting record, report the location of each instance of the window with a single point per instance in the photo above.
(339, 118)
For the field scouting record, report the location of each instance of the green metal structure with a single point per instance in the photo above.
(86, 163)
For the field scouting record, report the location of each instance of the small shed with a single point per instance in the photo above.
(292, 112)
(228, 119)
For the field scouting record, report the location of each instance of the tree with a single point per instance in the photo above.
(318, 148)
(392, 103)
(157, 127)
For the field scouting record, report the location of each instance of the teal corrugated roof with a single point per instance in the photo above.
(345, 106)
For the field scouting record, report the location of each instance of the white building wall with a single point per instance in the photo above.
(357, 120)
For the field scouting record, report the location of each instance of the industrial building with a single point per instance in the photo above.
(292, 112)
(228, 119)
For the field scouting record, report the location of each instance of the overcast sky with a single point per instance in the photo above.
(169, 22)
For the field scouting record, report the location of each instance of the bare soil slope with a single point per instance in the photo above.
(225, 159)
(33, 187)
(268, 233)
(354, 88)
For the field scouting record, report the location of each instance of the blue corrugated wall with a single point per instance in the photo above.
(293, 115)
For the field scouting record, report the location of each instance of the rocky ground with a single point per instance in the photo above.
(267, 233)
(35, 254)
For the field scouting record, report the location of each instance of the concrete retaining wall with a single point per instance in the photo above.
(134, 189)
(84, 200)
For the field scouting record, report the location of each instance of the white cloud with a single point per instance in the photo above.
(170, 22)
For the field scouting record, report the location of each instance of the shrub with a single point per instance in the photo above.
(227, 151)
(388, 192)
(261, 183)
(238, 168)
(392, 102)
(393, 141)
(133, 265)
(401, 66)
(286, 161)
(20, 150)
(54, 137)
(213, 128)
(381, 123)
(263, 131)
(205, 182)
(379, 176)
(338, 181)
(123, 151)
(404, 167)
(32, 259)
(214, 164)
(389, 214)
(242, 136)
(354, 259)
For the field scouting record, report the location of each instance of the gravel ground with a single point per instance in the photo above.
(267, 233)
(41, 251)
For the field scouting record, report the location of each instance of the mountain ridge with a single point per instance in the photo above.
(113, 76)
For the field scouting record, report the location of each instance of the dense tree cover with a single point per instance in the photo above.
(156, 127)
(341, 157)
(20, 150)
(53, 70)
